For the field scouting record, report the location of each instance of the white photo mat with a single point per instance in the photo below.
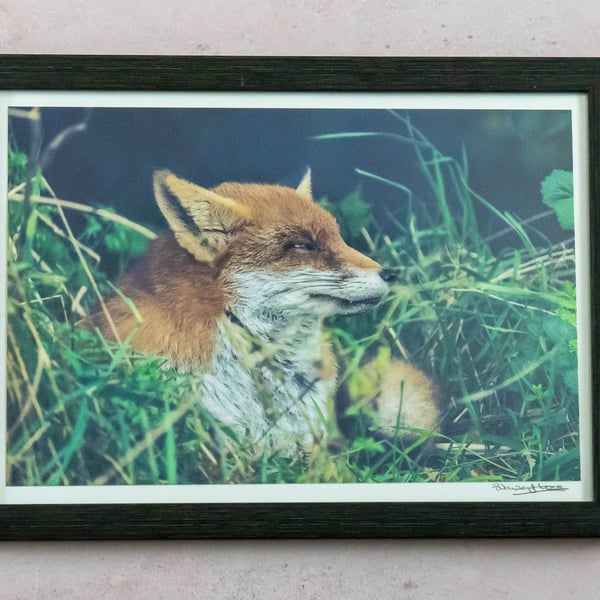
(377, 492)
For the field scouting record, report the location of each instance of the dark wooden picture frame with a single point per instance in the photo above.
(383, 519)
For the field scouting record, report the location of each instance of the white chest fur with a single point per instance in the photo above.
(267, 385)
(272, 396)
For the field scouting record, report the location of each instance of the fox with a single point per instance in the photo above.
(237, 289)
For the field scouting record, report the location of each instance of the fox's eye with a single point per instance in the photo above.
(301, 245)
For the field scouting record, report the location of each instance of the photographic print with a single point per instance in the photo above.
(298, 297)
(290, 297)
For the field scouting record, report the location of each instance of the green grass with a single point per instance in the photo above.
(494, 324)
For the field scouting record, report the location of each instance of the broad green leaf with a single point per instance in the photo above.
(354, 212)
(557, 193)
(368, 444)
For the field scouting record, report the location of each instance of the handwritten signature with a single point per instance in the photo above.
(521, 489)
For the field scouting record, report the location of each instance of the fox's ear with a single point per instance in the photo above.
(305, 186)
(203, 221)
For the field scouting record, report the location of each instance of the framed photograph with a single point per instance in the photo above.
(299, 297)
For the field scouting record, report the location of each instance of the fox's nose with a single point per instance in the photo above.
(388, 275)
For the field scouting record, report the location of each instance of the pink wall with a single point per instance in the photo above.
(321, 569)
(287, 27)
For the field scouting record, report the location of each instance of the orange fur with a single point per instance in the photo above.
(178, 294)
(406, 398)
(179, 302)
(273, 261)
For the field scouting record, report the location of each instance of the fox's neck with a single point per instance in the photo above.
(294, 338)
(267, 379)
(275, 309)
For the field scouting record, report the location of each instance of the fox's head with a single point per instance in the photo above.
(276, 252)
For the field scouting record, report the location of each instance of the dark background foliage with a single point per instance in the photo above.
(111, 163)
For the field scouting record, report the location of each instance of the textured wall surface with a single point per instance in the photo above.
(286, 27)
(321, 569)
